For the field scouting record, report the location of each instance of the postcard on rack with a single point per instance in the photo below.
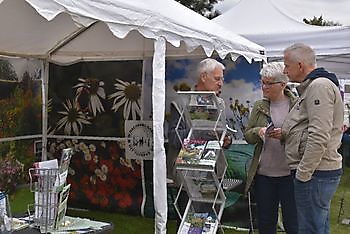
(200, 184)
(199, 222)
(64, 166)
(198, 154)
(203, 106)
(191, 151)
(62, 204)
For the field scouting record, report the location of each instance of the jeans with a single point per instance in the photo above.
(313, 199)
(269, 193)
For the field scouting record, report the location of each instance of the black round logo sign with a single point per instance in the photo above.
(140, 141)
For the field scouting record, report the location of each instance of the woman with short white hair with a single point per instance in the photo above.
(273, 182)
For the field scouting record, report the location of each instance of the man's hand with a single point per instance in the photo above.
(227, 141)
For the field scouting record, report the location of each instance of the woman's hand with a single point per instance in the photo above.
(262, 133)
(275, 133)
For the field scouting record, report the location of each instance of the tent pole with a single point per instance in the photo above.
(144, 197)
(44, 96)
(158, 108)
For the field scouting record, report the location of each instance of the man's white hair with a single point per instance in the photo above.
(300, 52)
(208, 65)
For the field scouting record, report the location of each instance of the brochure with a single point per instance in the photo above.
(45, 176)
(191, 151)
(198, 154)
(202, 109)
(62, 205)
(200, 184)
(198, 223)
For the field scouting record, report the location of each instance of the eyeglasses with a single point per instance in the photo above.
(219, 78)
(269, 84)
(216, 78)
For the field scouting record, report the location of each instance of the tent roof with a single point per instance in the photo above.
(263, 22)
(68, 31)
(257, 17)
(275, 30)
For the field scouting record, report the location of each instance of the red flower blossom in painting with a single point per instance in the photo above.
(73, 188)
(91, 195)
(108, 163)
(114, 152)
(85, 182)
(122, 177)
(123, 198)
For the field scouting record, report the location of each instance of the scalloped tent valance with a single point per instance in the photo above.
(69, 31)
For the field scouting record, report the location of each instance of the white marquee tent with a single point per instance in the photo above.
(263, 22)
(65, 31)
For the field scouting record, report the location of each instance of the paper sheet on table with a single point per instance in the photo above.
(78, 225)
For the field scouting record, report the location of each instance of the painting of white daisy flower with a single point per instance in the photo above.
(93, 89)
(73, 119)
(129, 95)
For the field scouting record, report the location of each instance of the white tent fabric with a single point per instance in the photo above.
(263, 22)
(67, 31)
(151, 19)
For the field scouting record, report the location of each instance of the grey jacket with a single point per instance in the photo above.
(312, 130)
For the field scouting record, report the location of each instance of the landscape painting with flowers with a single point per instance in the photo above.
(20, 116)
(94, 99)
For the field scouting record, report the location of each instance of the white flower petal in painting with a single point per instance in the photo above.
(127, 108)
(91, 89)
(129, 95)
(73, 119)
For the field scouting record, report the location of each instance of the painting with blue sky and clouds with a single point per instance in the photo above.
(241, 87)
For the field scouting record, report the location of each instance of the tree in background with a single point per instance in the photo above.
(7, 72)
(320, 22)
(203, 7)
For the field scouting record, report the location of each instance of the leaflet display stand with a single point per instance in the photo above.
(201, 163)
(48, 183)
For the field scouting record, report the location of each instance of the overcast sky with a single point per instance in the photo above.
(334, 10)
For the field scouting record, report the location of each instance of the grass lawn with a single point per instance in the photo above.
(125, 224)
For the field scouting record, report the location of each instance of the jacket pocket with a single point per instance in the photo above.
(302, 142)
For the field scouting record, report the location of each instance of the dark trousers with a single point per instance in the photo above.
(269, 193)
